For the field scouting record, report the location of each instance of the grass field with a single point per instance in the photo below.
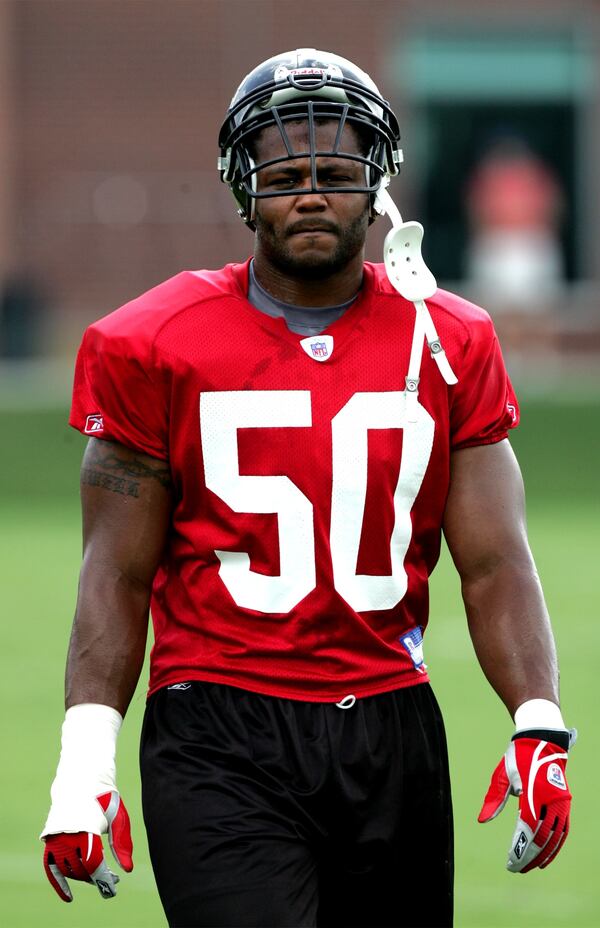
(39, 550)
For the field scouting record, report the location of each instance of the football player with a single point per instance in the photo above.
(274, 450)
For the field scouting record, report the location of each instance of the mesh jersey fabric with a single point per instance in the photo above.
(307, 509)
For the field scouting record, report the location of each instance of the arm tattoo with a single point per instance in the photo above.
(95, 478)
(104, 468)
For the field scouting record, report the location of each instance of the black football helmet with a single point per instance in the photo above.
(312, 85)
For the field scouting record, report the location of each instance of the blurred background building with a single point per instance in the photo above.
(109, 116)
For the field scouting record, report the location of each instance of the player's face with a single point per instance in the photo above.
(311, 235)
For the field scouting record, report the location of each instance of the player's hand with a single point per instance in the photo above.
(80, 855)
(533, 769)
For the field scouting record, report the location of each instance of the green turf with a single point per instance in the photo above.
(39, 552)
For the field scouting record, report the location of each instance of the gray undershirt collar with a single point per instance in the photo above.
(299, 319)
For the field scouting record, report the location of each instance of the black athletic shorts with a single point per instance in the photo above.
(272, 812)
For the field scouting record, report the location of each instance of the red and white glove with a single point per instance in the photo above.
(533, 769)
(86, 804)
(80, 856)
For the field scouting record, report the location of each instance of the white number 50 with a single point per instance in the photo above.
(222, 413)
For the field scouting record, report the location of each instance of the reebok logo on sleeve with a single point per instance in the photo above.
(94, 424)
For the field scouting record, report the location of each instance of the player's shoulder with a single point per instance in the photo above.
(146, 315)
(447, 309)
(459, 309)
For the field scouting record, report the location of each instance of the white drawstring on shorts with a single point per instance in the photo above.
(347, 702)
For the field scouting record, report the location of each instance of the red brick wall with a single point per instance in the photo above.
(112, 113)
(120, 103)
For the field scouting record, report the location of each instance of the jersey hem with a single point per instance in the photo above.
(474, 442)
(125, 441)
(405, 681)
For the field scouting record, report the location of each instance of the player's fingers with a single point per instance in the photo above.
(75, 856)
(497, 794)
(119, 829)
(120, 838)
(552, 856)
(554, 819)
(92, 853)
(523, 850)
(94, 865)
(548, 838)
(56, 879)
(72, 867)
(562, 838)
(67, 858)
(547, 827)
(543, 852)
(105, 880)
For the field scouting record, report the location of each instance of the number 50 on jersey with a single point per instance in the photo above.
(222, 413)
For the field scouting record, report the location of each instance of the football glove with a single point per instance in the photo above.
(86, 804)
(533, 769)
(80, 855)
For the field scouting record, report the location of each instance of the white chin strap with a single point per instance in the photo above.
(413, 280)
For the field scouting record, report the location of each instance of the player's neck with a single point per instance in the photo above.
(337, 288)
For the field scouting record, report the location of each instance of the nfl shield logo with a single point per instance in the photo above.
(318, 347)
(412, 642)
(556, 777)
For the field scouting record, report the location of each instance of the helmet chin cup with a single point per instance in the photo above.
(404, 263)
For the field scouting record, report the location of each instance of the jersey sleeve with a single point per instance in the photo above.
(118, 394)
(484, 405)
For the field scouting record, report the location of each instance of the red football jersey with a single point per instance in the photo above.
(308, 508)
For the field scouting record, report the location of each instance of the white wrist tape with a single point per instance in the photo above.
(538, 713)
(86, 769)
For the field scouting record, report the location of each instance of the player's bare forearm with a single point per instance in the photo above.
(108, 640)
(511, 634)
(126, 503)
(485, 528)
